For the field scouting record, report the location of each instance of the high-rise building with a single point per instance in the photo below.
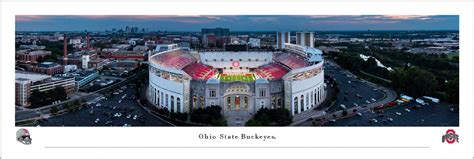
(282, 38)
(85, 61)
(305, 39)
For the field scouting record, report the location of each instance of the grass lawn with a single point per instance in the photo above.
(232, 78)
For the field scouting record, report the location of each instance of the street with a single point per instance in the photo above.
(353, 94)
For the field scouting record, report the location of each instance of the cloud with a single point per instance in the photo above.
(407, 17)
(263, 19)
(235, 22)
(29, 18)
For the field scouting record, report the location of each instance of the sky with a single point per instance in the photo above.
(237, 23)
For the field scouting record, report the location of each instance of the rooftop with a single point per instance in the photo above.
(26, 77)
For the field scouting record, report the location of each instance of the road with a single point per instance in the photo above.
(350, 87)
(23, 114)
(407, 114)
(353, 94)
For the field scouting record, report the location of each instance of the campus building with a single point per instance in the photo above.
(26, 83)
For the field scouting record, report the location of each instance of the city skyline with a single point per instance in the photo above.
(236, 23)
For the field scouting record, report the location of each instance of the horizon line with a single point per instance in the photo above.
(246, 30)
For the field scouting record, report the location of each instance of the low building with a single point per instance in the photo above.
(123, 55)
(26, 83)
(254, 42)
(140, 48)
(85, 77)
(49, 68)
(27, 56)
(70, 68)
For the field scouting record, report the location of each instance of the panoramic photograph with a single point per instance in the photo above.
(237, 70)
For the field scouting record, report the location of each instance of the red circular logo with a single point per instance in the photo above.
(450, 136)
(236, 64)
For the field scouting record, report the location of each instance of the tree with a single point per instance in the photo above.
(38, 98)
(414, 81)
(54, 110)
(60, 93)
(271, 117)
(282, 117)
(77, 103)
(253, 122)
(344, 112)
(209, 115)
(452, 91)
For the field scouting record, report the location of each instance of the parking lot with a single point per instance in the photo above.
(410, 114)
(117, 109)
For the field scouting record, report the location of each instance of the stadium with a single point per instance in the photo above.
(239, 82)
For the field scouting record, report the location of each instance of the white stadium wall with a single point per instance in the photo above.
(223, 59)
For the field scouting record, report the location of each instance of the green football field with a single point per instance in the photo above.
(233, 78)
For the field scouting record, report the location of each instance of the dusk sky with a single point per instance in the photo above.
(237, 23)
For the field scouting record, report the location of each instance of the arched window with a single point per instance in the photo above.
(273, 102)
(302, 103)
(246, 103)
(315, 97)
(201, 100)
(295, 105)
(307, 98)
(178, 104)
(237, 102)
(228, 103)
(172, 103)
(166, 103)
(158, 97)
(194, 102)
(162, 99)
(318, 96)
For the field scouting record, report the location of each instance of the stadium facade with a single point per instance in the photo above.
(245, 81)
